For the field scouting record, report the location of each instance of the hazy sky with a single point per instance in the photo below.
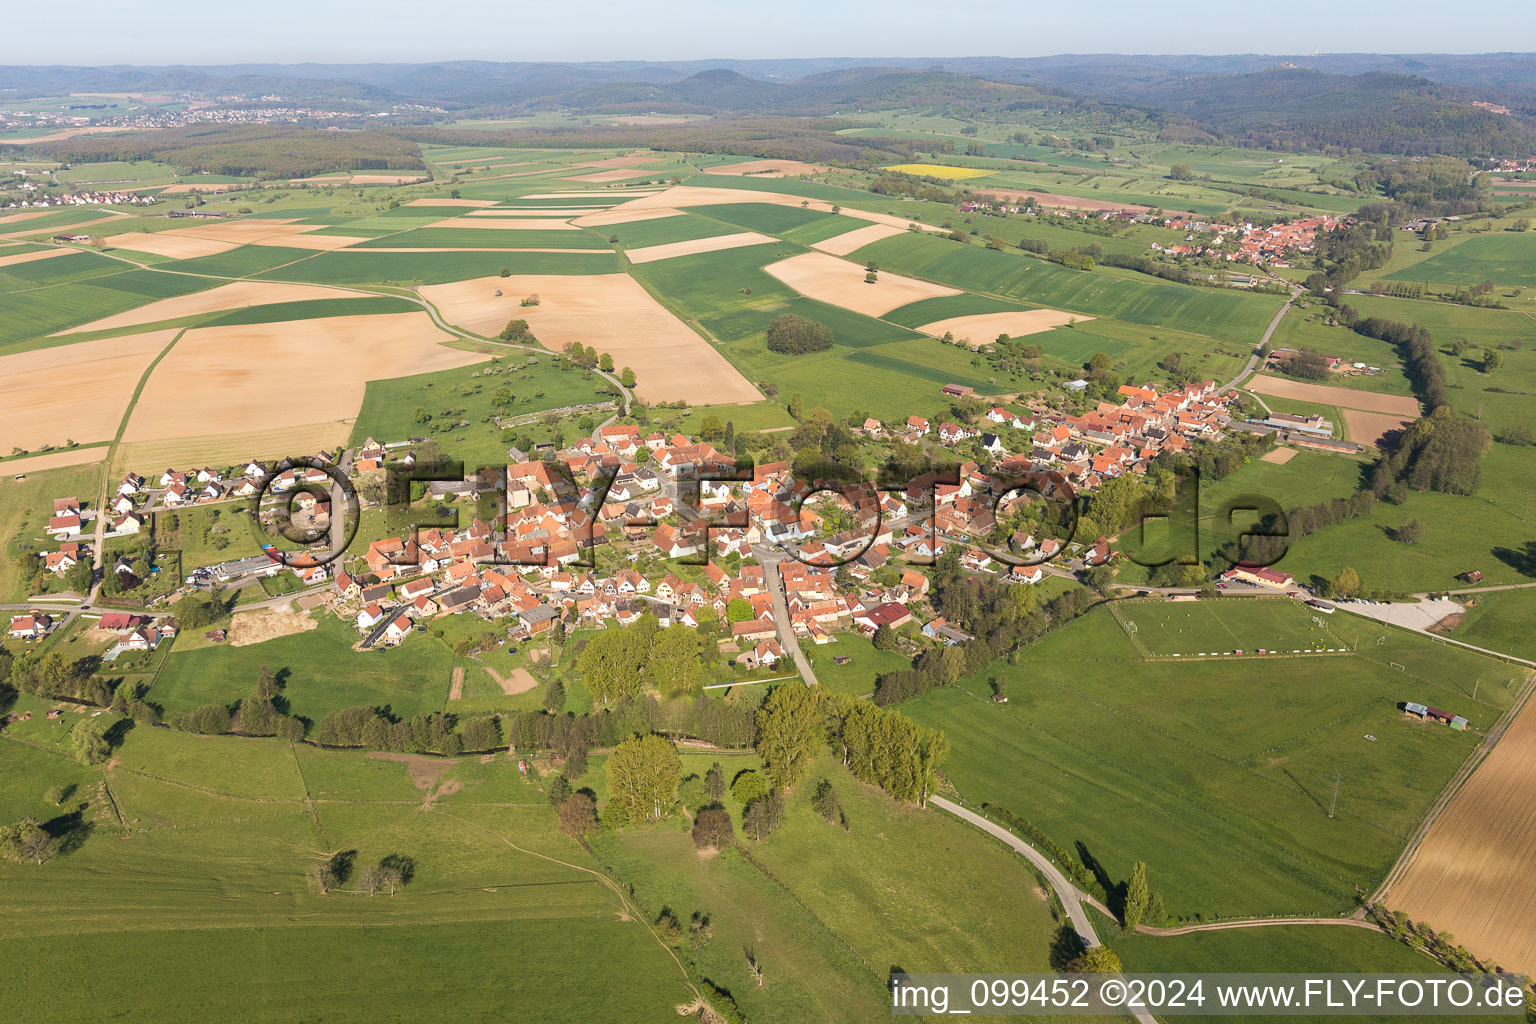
(345, 31)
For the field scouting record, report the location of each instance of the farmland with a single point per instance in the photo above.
(1466, 875)
(349, 305)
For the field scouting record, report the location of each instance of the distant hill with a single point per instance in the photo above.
(1408, 104)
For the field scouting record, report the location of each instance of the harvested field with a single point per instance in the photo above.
(255, 377)
(984, 328)
(32, 257)
(53, 460)
(267, 232)
(858, 238)
(302, 240)
(1379, 430)
(611, 312)
(17, 218)
(236, 295)
(623, 216)
(164, 243)
(840, 282)
(716, 243)
(770, 168)
(264, 624)
(610, 195)
(529, 211)
(1472, 874)
(274, 441)
(1278, 456)
(1344, 398)
(507, 223)
(98, 381)
(451, 202)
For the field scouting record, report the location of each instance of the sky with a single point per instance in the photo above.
(351, 31)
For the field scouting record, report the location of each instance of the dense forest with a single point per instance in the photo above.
(263, 151)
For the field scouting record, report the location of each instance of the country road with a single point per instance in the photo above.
(1253, 358)
(1071, 898)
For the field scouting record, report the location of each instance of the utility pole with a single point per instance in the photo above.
(1337, 778)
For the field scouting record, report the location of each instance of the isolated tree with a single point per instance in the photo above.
(1136, 896)
(643, 773)
(872, 277)
(559, 791)
(1411, 532)
(578, 816)
(826, 802)
(78, 576)
(1492, 359)
(26, 840)
(396, 872)
(605, 363)
(1096, 960)
(789, 732)
(796, 405)
(554, 696)
(90, 743)
(885, 638)
(712, 828)
(749, 785)
(627, 377)
(1346, 583)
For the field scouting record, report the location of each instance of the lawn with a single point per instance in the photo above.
(207, 874)
(829, 912)
(1504, 257)
(1499, 544)
(858, 676)
(1500, 621)
(465, 394)
(322, 673)
(25, 508)
(1249, 625)
(1219, 780)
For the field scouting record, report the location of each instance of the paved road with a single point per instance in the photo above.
(769, 559)
(1269, 331)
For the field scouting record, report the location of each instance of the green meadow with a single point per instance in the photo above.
(1229, 773)
(1504, 257)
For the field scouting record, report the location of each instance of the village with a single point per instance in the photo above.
(1272, 245)
(624, 523)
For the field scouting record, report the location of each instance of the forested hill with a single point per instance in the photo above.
(1300, 108)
